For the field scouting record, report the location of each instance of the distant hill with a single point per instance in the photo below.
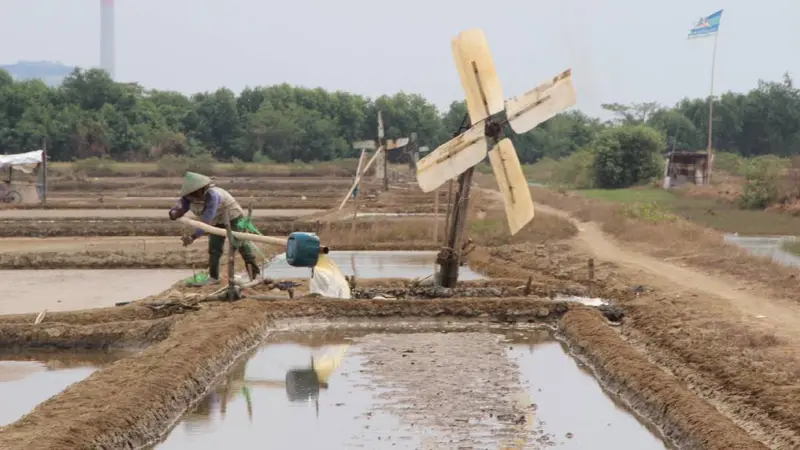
(52, 73)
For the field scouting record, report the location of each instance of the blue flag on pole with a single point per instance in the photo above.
(706, 26)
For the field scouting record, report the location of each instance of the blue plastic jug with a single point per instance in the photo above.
(302, 249)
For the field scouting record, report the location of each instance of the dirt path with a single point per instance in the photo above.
(778, 315)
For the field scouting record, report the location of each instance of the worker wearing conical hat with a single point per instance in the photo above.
(209, 203)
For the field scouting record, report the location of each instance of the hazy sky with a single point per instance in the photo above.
(619, 50)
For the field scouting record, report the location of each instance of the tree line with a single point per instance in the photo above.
(90, 115)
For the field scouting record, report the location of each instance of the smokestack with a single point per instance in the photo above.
(107, 36)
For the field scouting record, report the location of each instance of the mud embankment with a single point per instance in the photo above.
(684, 418)
(136, 400)
(109, 335)
(134, 311)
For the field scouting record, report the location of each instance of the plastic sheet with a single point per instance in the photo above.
(327, 280)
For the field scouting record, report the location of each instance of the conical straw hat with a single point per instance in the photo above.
(192, 182)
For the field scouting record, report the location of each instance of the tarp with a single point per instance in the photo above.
(24, 162)
(328, 280)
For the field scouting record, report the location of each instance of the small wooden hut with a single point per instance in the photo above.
(684, 166)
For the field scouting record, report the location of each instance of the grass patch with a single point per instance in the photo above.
(173, 165)
(792, 247)
(630, 195)
(654, 204)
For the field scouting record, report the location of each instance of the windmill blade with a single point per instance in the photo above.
(540, 104)
(364, 145)
(513, 185)
(452, 158)
(479, 78)
(380, 125)
(397, 143)
(401, 142)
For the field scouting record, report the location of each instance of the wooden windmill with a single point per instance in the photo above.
(458, 157)
(381, 146)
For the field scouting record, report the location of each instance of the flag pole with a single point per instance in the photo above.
(711, 110)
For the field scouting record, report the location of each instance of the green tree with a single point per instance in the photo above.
(626, 155)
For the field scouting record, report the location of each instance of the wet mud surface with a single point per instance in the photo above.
(469, 387)
(26, 291)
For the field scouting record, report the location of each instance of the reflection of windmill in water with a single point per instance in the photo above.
(301, 384)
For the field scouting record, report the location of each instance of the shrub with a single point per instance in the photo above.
(627, 155)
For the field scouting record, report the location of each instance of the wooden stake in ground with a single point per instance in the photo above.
(436, 216)
(231, 258)
(452, 260)
(359, 174)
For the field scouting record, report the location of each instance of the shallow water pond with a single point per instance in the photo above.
(31, 378)
(467, 388)
(373, 264)
(26, 291)
(771, 247)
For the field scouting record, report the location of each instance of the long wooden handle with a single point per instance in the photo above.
(358, 177)
(237, 234)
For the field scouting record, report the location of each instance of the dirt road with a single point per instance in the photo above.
(134, 213)
(779, 316)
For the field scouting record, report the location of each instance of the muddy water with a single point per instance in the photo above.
(572, 405)
(770, 247)
(27, 380)
(373, 264)
(135, 213)
(26, 291)
(424, 389)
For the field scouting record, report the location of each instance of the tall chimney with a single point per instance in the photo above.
(107, 36)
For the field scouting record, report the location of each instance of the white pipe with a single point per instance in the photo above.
(358, 177)
(237, 234)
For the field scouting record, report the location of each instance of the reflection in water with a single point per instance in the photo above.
(266, 399)
(571, 402)
(301, 384)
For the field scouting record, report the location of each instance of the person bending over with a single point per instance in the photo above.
(209, 203)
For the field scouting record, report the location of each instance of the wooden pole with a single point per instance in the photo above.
(359, 174)
(44, 173)
(237, 234)
(358, 179)
(452, 261)
(591, 277)
(709, 151)
(436, 215)
(231, 258)
(449, 208)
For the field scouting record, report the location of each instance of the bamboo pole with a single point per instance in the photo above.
(237, 234)
(358, 179)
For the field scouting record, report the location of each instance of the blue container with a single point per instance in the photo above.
(302, 250)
